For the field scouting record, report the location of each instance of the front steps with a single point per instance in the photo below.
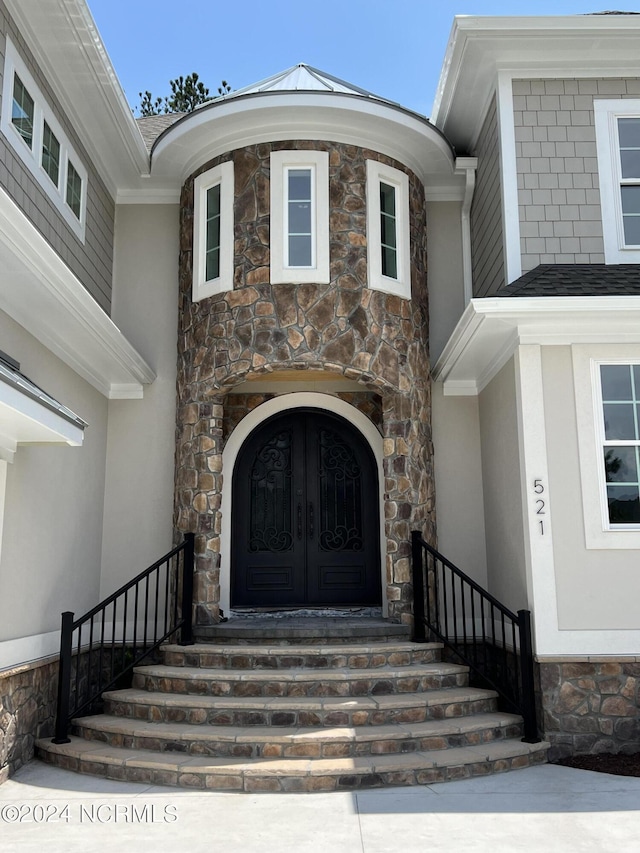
(286, 715)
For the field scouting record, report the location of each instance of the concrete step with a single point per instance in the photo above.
(295, 742)
(301, 710)
(299, 682)
(321, 656)
(301, 774)
(284, 629)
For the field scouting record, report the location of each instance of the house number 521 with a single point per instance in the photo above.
(540, 503)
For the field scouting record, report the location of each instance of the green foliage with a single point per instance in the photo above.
(187, 93)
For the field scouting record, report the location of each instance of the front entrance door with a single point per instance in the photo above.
(305, 515)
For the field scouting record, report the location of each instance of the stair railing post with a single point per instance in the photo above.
(526, 673)
(186, 631)
(419, 632)
(64, 679)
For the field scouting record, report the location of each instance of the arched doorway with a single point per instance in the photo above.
(305, 519)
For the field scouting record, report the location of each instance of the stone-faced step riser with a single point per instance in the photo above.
(289, 784)
(286, 660)
(265, 749)
(348, 687)
(297, 717)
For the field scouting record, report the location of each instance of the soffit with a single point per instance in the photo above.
(268, 116)
(564, 46)
(491, 329)
(65, 41)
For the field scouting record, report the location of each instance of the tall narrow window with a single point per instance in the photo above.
(50, 153)
(621, 451)
(74, 189)
(299, 218)
(617, 125)
(213, 232)
(629, 139)
(388, 241)
(22, 111)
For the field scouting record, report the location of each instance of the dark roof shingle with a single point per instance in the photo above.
(577, 280)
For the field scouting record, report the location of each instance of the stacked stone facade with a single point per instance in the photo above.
(27, 711)
(343, 329)
(590, 706)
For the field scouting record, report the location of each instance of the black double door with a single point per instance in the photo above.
(305, 520)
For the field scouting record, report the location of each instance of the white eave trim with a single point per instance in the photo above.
(40, 292)
(225, 125)
(490, 330)
(25, 420)
(63, 37)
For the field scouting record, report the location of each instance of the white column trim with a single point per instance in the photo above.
(509, 182)
(304, 399)
(534, 475)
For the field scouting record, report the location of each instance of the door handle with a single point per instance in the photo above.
(310, 521)
(299, 521)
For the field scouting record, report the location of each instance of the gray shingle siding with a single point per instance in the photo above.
(91, 262)
(558, 187)
(486, 211)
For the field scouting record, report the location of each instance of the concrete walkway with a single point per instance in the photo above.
(538, 809)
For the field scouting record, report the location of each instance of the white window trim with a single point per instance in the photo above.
(607, 113)
(377, 173)
(224, 176)
(599, 533)
(32, 158)
(318, 162)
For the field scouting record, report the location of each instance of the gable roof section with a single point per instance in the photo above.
(576, 280)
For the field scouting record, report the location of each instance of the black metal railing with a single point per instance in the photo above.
(480, 631)
(99, 650)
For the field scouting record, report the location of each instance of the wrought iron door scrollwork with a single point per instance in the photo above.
(340, 484)
(271, 487)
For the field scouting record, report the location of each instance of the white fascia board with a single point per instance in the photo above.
(25, 420)
(40, 292)
(530, 46)
(66, 44)
(272, 116)
(489, 331)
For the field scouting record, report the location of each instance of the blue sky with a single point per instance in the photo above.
(392, 49)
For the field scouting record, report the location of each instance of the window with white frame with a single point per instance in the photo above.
(618, 145)
(620, 405)
(300, 217)
(388, 260)
(213, 232)
(36, 136)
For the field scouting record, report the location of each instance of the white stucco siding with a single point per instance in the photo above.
(444, 273)
(141, 437)
(598, 589)
(458, 476)
(52, 532)
(506, 572)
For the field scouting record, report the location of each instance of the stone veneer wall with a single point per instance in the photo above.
(590, 706)
(28, 696)
(342, 328)
(239, 405)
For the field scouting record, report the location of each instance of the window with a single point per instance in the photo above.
(37, 138)
(300, 216)
(51, 155)
(213, 232)
(618, 146)
(74, 189)
(620, 386)
(388, 229)
(22, 111)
